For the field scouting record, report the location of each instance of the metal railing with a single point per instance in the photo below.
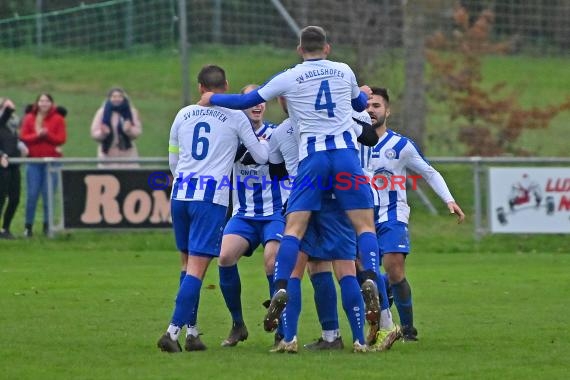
(478, 167)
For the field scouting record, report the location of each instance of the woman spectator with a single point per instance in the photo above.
(10, 147)
(115, 125)
(44, 132)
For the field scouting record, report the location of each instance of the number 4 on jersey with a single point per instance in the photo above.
(328, 104)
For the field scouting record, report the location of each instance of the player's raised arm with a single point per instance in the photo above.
(365, 132)
(416, 162)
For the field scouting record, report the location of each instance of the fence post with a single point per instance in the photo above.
(39, 27)
(50, 198)
(477, 195)
(184, 56)
(129, 34)
(217, 22)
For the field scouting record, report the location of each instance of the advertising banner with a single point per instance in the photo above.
(115, 199)
(529, 200)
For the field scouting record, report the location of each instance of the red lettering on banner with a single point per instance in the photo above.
(561, 185)
(564, 204)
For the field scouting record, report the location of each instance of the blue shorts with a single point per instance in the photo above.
(337, 170)
(330, 235)
(198, 226)
(256, 231)
(393, 237)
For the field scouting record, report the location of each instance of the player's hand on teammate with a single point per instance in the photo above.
(367, 90)
(205, 99)
(455, 209)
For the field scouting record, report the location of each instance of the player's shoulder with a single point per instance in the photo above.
(406, 144)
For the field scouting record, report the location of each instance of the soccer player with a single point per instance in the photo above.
(388, 162)
(321, 95)
(257, 219)
(329, 238)
(203, 144)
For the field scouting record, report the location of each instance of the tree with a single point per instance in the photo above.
(490, 121)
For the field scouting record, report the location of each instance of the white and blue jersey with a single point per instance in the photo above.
(319, 97)
(205, 140)
(387, 164)
(255, 194)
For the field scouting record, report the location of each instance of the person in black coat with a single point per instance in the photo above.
(10, 147)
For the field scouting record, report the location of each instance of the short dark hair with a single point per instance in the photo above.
(212, 77)
(381, 92)
(313, 38)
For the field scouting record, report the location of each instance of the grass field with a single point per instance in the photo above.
(91, 305)
(88, 307)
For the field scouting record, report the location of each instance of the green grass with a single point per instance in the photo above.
(87, 306)
(92, 304)
(153, 81)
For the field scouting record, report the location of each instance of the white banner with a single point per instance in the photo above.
(529, 200)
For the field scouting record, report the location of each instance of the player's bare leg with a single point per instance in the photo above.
(233, 247)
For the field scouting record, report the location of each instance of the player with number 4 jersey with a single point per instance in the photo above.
(321, 95)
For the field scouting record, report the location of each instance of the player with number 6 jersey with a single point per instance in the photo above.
(202, 147)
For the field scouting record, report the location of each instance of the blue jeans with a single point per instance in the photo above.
(36, 182)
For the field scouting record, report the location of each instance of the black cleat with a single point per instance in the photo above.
(238, 333)
(409, 334)
(274, 310)
(371, 301)
(322, 344)
(194, 343)
(168, 345)
(276, 307)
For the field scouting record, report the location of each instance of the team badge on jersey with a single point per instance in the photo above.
(390, 154)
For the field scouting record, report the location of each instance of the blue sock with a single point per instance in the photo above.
(271, 291)
(325, 300)
(230, 284)
(403, 300)
(368, 252)
(353, 305)
(382, 293)
(292, 311)
(182, 275)
(186, 300)
(286, 259)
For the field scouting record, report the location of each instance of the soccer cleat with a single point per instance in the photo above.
(385, 338)
(409, 334)
(238, 333)
(322, 344)
(166, 344)
(374, 327)
(371, 300)
(276, 307)
(289, 347)
(194, 343)
(358, 348)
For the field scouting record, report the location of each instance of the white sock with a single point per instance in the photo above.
(386, 321)
(192, 330)
(173, 331)
(330, 335)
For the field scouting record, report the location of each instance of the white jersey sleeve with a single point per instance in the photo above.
(363, 117)
(173, 146)
(285, 146)
(259, 150)
(415, 161)
(280, 84)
